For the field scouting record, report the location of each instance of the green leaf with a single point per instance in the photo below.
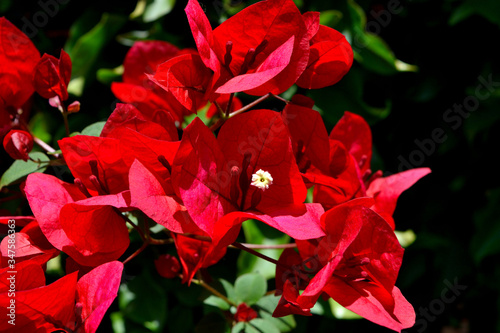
(488, 9)
(370, 50)
(260, 233)
(239, 327)
(340, 312)
(87, 49)
(219, 302)
(267, 305)
(330, 18)
(249, 288)
(486, 240)
(263, 326)
(156, 9)
(21, 169)
(109, 75)
(94, 129)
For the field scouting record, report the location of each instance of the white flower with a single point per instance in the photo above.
(262, 179)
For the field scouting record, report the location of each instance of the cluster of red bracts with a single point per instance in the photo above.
(202, 187)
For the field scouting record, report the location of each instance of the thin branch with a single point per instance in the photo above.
(250, 105)
(139, 250)
(229, 103)
(141, 233)
(281, 98)
(258, 254)
(202, 283)
(43, 145)
(262, 246)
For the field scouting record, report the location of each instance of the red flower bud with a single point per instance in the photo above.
(168, 266)
(51, 76)
(245, 313)
(18, 144)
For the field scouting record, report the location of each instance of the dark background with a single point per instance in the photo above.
(453, 211)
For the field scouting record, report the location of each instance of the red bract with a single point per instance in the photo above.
(29, 243)
(355, 134)
(74, 224)
(18, 144)
(95, 292)
(386, 191)
(143, 58)
(151, 194)
(97, 162)
(63, 305)
(330, 58)
(17, 61)
(323, 162)
(51, 76)
(43, 309)
(186, 78)
(161, 126)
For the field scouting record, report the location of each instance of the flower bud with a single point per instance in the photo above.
(18, 144)
(168, 266)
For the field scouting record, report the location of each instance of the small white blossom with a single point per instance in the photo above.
(262, 179)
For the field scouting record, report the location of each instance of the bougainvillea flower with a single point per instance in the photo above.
(74, 224)
(29, 242)
(155, 197)
(186, 78)
(97, 162)
(359, 257)
(95, 292)
(18, 144)
(51, 76)
(17, 60)
(330, 58)
(323, 162)
(161, 126)
(213, 176)
(250, 51)
(355, 134)
(143, 58)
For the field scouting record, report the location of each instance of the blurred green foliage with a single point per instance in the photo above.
(415, 61)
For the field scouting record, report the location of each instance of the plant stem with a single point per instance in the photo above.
(258, 254)
(43, 145)
(281, 98)
(250, 105)
(141, 233)
(229, 103)
(202, 283)
(278, 246)
(139, 250)
(66, 125)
